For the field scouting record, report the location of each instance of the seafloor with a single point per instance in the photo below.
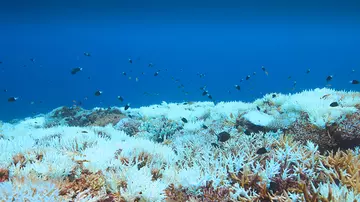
(299, 147)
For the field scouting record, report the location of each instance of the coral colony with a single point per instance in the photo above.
(299, 147)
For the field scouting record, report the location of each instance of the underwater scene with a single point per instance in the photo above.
(139, 101)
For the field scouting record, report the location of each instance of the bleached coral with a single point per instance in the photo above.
(190, 162)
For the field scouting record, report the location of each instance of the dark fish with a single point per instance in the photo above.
(262, 150)
(258, 108)
(354, 82)
(308, 71)
(247, 77)
(89, 77)
(184, 120)
(209, 96)
(120, 98)
(289, 77)
(150, 64)
(334, 104)
(127, 106)
(337, 181)
(87, 54)
(156, 73)
(130, 60)
(241, 80)
(12, 99)
(1, 62)
(263, 68)
(204, 127)
(215, 145)
(273, 95)
(84, 131)
(201, 75)
(237, 87)
(5, 90)
(124, 73)
(223, 136)
(76, 70)
(294, 84)
(32, 60)
(254, 73)
(329, 78)
(205, 93)
(98, 93)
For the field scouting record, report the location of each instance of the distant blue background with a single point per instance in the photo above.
(225, 41)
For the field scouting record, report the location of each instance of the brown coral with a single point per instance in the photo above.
(4, 175)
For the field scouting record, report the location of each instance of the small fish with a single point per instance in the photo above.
(262, 150)
(289, 77)
(223, 136)
(127, 106)
(130, 61)
(241, 80)
(137, 79)
(184, 120)
(89, 77)
(124, 73)
(120, 98)
(98, 93)
(1, 62)
(247, 77)
(84, 131)
(254, 73)
(354, 82)
(209, 96)
(204, 126)
(273, 95)
(294, 84)
(329, 78)
(237, 87)
(32, 60)
(258, 108)
(5, 90)
(12, 99)
(203, 88)
(87, 54)
(263, 68)
(201, 75)
(308, 71)
(156, 73)
(334, 104)
(205, 92)
(76, 70)
(150, 64)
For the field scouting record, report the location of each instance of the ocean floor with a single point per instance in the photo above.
(297, 147)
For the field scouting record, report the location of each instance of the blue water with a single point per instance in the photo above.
(181, 41)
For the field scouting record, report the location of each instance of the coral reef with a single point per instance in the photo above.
(278, 148)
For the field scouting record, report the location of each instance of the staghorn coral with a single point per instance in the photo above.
(129, 126)
(162, 128)
(93, 182)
